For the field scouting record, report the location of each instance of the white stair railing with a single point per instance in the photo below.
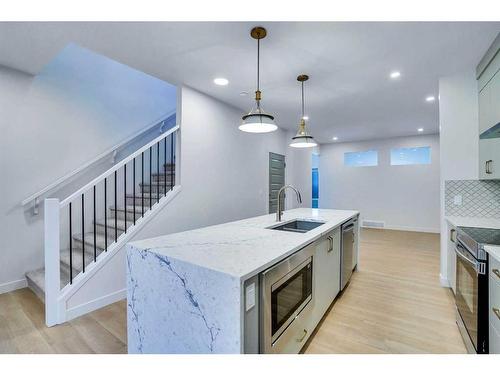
(97, 219)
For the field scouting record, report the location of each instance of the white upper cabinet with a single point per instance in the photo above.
(489, 113)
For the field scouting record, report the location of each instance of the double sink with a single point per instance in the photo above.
(298, 226)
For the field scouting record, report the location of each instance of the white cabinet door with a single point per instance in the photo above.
(485, 109)
(326, 269)
(355, 251)
(489, 117)
(452, 259)
(494, 341)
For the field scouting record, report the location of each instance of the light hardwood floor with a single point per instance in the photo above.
(394, 304)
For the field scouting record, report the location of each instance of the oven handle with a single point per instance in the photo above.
(458, 246)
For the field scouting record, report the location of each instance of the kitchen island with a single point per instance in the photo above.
(187, 292)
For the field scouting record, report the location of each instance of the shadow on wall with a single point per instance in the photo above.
(79, 106)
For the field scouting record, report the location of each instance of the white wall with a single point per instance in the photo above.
(405, 197)
(224, 172)
(459, 145)
(79, 106)
(224, 177)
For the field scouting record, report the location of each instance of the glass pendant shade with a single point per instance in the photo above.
(303, 139)
(258, 122)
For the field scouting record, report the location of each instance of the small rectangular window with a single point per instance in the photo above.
(410, 156)
(315, 188)
(361, 159)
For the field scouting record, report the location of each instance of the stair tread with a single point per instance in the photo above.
(37, 277)
(146, 195)
(130, 208)
(120, 224)
(89, 239)
(77, 259)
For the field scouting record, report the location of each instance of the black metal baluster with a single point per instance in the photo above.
(172, 165)
(142, 184)
(125, 193)
(95, 236)
(70, 247)
(133, 185)
(158, 172)
(105, 214)
(165, 165)
(116, 213)
(83, 232)
(150, 179)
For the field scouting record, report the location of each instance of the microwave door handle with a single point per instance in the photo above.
(459, 253)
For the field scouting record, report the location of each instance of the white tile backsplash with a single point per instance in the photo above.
(473, 198)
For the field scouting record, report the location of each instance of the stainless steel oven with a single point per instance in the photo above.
(471, 296)
(287, 294)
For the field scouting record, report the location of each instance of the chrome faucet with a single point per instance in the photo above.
(279, 211)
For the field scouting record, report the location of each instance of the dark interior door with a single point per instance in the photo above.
(276, 179)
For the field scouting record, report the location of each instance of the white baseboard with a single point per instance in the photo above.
(444, 281)
(95, 304)
(408, 229)
(13, 285)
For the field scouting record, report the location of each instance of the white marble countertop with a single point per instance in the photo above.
(246, 247)
(478, 222)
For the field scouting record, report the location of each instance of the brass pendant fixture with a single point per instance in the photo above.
(303, 139)
(257, 121)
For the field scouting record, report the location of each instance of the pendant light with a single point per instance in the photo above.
(257, 121)
(303, 139)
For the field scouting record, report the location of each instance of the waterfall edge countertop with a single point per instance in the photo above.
(185, 291)
(245, 247)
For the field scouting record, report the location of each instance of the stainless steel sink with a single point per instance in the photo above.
(299, 226)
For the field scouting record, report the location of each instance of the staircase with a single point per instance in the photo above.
(121, 217)
(85, 234)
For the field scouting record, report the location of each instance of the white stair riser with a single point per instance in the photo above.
(154, 188)
(100, 229)
(138, 200)
(120, 214)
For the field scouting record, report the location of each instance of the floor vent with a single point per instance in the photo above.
(373, 224)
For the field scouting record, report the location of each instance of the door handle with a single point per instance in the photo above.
(472, 263)
(497, 312)
(496, 272)
(330, 248)
(487, 166)
(452, 231)
(303, 336)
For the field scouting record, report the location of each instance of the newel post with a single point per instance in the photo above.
(52, 255)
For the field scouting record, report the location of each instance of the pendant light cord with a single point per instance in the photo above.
(258, 70)
(258, 64)
(302, 99)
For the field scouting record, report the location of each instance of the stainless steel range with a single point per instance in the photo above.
(471, 296)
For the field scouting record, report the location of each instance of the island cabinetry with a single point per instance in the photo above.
(494, 287)
(326, 272)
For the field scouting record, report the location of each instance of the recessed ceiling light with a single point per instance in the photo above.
(395, 74)
(305, 117)
(430, 98)
(335, 138)
(221, 81)
(420, 129)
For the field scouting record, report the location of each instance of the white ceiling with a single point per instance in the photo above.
(349, 93)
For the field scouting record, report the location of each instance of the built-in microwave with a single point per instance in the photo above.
(287, 295)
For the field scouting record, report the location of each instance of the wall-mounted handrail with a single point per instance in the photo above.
(117, 166)
(62, 180)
